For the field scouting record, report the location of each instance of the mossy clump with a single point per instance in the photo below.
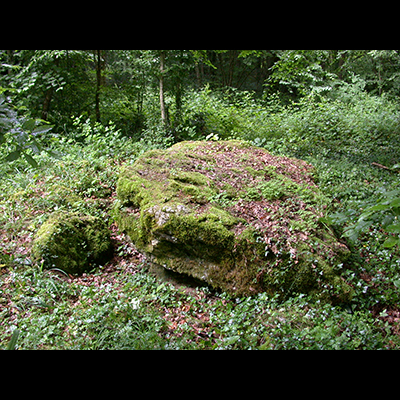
(73, 243)
(234, 217)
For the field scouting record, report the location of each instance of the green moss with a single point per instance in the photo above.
(274, 189)
(229, 192)
(130, 189)
(192, 178)
(207, 230)
(255, 173)
(310, 269)
(196, 194)
(73, 243)
(145, 183)
(168, 206)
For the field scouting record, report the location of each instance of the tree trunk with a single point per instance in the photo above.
(198, 75)
(380, 80)
(48, 98)
(162, 94)
(221, 69)
(46, 104)
(99, 81)
(10, 56)
(233, 57)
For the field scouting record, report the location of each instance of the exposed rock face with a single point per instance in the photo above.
(233, 216)
(73, 243)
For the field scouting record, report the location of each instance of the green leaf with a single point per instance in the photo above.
(55, 154)
(379, 207)
(29, 125)
(395, 228)
(395, 203)
(387, 220)
(392, 194)
(231, 341)
(31, 161)
(42, 129)
(338, 218)
(391, 242)
(352, 234)
(363, 226)
(383, 314)
(13, 156)
(13, 343)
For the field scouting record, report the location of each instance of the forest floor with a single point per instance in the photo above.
(124, 306)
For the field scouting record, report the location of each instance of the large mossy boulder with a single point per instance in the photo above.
(73, 243)
(234, 217)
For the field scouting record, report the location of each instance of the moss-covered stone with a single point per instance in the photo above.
(233, 216)
(73, 243)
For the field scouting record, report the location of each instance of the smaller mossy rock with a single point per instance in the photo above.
(235, 217)
(73, 243)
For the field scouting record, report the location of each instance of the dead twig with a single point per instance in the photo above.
(383, 167)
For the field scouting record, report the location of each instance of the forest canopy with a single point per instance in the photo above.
(122, 85)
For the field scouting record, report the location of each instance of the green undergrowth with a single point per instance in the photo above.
(121, 306)
(129, 309)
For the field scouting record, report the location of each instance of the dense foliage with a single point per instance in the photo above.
(70, 119)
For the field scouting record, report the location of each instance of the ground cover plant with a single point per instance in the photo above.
(121, 306)
(336, 110)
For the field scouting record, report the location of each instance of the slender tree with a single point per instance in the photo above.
(49, 94)
(99, 80)
(162, 88)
